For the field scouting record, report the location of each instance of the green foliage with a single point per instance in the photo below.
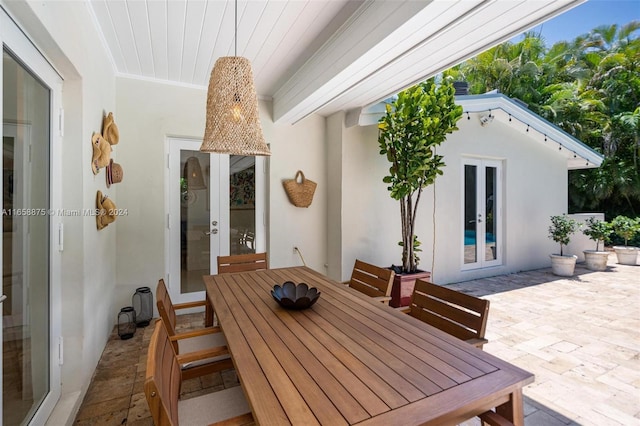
(589, 87)
(414, 125)
(561, 229)
(625, 227)
(597, 230)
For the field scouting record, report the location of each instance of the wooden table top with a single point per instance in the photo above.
(348, 359)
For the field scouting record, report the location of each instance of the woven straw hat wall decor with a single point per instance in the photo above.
(232, 122)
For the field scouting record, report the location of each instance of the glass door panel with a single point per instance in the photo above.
(242, 204)
(470, 214)
(25, 242)
(490, 251)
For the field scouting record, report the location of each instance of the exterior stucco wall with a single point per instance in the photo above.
(534, 184)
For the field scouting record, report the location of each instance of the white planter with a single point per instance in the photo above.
(563, 265)
(626, 255)
(596, 260)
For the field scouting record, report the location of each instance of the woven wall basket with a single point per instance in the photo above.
(300, 193)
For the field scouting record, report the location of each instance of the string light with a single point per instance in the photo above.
(546, 137)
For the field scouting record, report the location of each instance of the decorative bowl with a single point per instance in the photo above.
(292, 296)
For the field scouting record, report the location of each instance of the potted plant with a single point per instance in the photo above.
(597, 230)
(626, 228)
(560, 231)
(413, 126)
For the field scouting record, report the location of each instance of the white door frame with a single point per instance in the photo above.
(219, 210)
(12, 37)
(481, 165)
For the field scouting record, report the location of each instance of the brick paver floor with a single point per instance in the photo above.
(580, 336)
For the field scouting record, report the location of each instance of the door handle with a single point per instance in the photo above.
(3, 298)
(214, 231)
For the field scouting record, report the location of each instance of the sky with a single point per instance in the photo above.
(587, 16)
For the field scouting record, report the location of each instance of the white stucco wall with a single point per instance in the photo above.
(148, 112)
(534, 188)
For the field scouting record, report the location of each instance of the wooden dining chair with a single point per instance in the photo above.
(193, 341)
(243, 262)
(456, 313)
(163, 379)
(372, 280)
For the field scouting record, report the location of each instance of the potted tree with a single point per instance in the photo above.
(560, 231)
(626, 228)
(413, 126)
(596, 230)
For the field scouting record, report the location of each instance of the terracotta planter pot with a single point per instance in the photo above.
(403, 287)
(596, 260)
(627, 255)
(563, 266)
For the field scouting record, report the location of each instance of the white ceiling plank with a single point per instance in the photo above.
(317, 24)
(213, 18)
(248, 21)
(122, 26)
(158, 32)
(139, 17)
(101, 12)
(194, 25)
(175, 37)
(224, 38)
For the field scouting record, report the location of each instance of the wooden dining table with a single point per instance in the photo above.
(351, 360)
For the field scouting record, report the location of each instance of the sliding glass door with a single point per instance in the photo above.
(30, 324)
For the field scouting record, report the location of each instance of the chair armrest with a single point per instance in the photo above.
(493, 419)
(241, 420)
(190, 304)
(195, 333)
(202, 354)
(382, 299)
(478, 343)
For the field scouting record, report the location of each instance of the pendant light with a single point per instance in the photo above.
(193, 174)
(232, 121)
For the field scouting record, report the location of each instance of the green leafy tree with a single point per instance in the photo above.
(561, 229)
(589, 87)
(413, 126)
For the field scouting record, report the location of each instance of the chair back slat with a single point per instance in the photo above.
(371, 280)
(243, 262)
(453, 312)
(162, 379)
(165, 308)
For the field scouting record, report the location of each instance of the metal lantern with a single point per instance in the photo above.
(126, 322)
(142, 302)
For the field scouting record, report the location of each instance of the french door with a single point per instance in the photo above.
(482, 218)
(30, 337)
(216, 207)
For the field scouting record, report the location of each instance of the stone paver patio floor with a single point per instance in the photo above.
(580, 336)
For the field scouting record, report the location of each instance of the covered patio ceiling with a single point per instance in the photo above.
(313, 56)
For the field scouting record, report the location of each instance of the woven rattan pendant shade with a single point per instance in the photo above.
(233, 123)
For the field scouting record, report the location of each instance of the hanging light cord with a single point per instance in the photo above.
(235, 37)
